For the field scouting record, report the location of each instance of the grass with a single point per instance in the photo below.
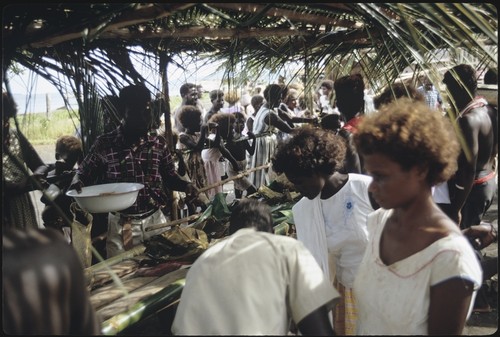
(42, 129)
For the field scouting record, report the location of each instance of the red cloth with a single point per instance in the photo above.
(352, 124)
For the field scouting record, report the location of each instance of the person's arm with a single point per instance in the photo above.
(449, 305)
(172, 180)
(461, 184)
(274, 120)
(33, 160)
(91, 169)
(310, 120)
(38, 168)
(284, 114)
(316, 323)
(226, 154)
(250, 123)
(190, 144)
(482, 235)
(251, 147)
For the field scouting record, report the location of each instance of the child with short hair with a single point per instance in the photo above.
(69, 152)
(191, 141)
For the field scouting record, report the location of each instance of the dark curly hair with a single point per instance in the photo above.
(189, 115)
(309, 150)
(411, 134)
(225, 122)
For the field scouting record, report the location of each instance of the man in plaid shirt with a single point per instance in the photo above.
(133, 153)
(431, 94)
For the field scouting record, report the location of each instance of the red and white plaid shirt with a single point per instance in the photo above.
(148, 162)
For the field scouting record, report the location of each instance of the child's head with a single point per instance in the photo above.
(225, 123)
(190, 118)
(239, 122)
(309, 157)
(331, 122)
(217, 99)
(69, 150)
(257, 102)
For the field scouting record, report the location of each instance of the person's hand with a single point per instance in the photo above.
(76, 185)
(41, 171)
(482, 235)
(40, 175)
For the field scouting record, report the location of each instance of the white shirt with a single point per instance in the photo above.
(395, 299)
(336, 227)
(251, 283)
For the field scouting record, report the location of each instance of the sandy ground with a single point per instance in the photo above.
(478, 324)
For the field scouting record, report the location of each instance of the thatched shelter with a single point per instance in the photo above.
(91, 44)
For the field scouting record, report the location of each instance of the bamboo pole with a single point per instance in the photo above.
(206, 188)
(238, 176)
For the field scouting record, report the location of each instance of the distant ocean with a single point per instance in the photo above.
(38, 103)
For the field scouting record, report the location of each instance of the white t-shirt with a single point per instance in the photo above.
(251, 283)
(395, 299)
(336, 227)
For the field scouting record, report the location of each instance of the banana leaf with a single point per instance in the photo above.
(282, 229)
(143, 309)
(218, 209)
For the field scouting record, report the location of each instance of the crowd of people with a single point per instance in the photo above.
(389, 229)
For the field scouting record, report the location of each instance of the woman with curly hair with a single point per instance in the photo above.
(330, 219)
(419, 274)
